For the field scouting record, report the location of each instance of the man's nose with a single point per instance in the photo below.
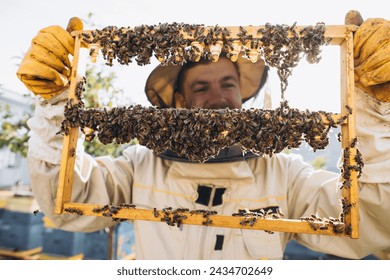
(216, 92)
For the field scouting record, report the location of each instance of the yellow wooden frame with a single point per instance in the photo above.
(341, 35)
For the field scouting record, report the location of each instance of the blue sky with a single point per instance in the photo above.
(309, 86)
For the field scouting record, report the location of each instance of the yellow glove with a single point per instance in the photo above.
(372, 58)
(45, 69)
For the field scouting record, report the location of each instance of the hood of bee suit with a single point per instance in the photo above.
(161, 91)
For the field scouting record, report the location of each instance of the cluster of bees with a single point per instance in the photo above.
(199, 134)
(73, 210)
(336, 224)
(250, 217)
(110, 210)
(347, 167)
(281, 46)
(175, 217)
(172, 217)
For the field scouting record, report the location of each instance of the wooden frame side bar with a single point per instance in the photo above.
(65, 179)
(349, 132)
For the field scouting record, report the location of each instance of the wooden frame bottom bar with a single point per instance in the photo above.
(267, 224)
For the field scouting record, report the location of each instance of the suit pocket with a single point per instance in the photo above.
(262, 245)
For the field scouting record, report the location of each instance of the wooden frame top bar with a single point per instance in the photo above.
(336, 33)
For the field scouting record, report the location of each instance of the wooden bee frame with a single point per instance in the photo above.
(341, 35)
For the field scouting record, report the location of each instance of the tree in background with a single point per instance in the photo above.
(13, 131)
(100, 91)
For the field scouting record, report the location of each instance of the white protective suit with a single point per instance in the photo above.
(148, 181)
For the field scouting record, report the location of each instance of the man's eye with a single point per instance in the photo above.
(200, 89)
(229, 85)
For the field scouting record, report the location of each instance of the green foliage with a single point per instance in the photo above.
(13, 131)
(319, 162)
(100, 91)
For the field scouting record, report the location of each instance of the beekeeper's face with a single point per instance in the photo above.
(213, 85)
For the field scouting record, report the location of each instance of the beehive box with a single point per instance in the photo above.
(124, 242)
(21, 218)
(64, 243)
(21, 236)
(99, 245)
(111, 243)
(20, 229)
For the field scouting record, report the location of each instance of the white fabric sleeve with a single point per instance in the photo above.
(373, 131)
(313, 194)
(102, 180)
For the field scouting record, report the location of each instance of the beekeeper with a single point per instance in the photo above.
(231, 181)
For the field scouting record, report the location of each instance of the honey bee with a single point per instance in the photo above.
(353, 142)
(323, 227)
(314, 226)
(348, 230)
(207, 222)
(338, 228)
(96, 210)
(182, 210)
(349, 109)
(127, 205)
(315, 217)
(119, 219)
(74, 211)
(252, 221)
(238, 214)
(155, 212)
(72, 152)
(114, 209)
